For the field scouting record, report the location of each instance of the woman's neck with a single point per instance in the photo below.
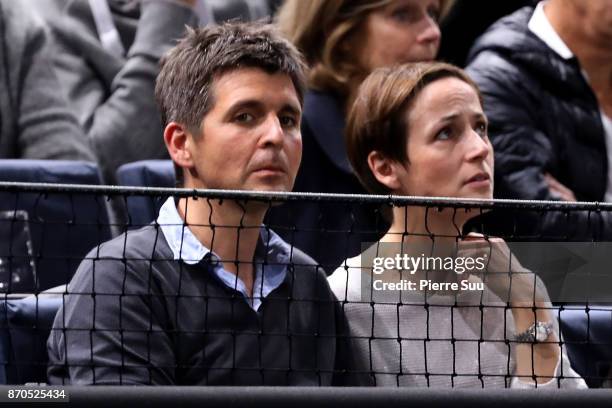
(420, 224)
(422, 233)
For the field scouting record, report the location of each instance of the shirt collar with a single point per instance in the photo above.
(187, 248)
(272, 255)
(539, 24)
(184, 245)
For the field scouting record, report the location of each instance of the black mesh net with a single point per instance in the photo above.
(517, 297)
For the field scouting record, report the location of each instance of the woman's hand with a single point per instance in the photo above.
(558, 189)
(528, 300)
(503, 273)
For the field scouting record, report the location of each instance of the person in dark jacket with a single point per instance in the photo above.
(343, 41)
(107, 59)
(467, 21)
(546, 76)
(35, 120)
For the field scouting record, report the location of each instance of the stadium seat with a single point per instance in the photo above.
(588, 336)
(63, 227)
(25, 325)
(146, 173)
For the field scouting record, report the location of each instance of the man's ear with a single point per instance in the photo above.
(385, 170)
(178, 141)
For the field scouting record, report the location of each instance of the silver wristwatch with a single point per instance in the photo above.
(537, 332)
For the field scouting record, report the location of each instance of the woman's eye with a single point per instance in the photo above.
(434, 13)
(244, 118)
(444, 134)
(288, 121)
(402, 15)
(481, 129)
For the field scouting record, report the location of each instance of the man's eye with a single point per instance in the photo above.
(244, 118)
(288, 121)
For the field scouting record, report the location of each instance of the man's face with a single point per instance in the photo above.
(598, 15)
(250, 139)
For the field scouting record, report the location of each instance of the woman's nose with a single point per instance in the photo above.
(478, 147)
(430, 31)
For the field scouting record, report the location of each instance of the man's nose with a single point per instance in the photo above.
(273, 133)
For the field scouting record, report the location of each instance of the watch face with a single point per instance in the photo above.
(541, 332)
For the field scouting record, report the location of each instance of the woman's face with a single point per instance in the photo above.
(403, 31)
(449, 152)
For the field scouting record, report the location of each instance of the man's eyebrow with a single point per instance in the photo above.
(292, 109)
(289, 107)
(245, 104)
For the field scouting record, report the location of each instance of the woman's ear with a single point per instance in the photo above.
(178, 141)
(385, 170)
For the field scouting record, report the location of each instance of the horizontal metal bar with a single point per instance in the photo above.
(47, 188)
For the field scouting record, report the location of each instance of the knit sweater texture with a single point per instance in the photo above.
(414, 339)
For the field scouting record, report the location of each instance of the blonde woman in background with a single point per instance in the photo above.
(343, 41)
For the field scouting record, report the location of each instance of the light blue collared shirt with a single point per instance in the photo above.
(270, 263)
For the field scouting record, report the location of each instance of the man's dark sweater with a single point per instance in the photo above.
(137, 316)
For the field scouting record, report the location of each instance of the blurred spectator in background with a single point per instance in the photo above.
(243, 10)
(467, 21)
(344, 40)
(274, 5)
(546, 76)
(107, 60)
(35, 121)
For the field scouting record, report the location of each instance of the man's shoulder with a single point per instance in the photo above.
(509, 52)
(147, 241)
(508, 35)
(125, 262)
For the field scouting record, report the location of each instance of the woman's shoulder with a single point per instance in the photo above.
(345, 281)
